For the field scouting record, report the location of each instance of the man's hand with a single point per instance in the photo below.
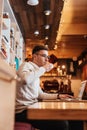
(65, 96)
(48, 66)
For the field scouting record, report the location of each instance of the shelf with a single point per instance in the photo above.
(5, 40)
(2, 55)
(4, 26)
(12, 51)
(54, 76)
(8, 24)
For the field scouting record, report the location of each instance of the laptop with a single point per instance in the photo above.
(82, 89)
(80, 94)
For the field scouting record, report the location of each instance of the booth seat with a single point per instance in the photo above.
(23, 126)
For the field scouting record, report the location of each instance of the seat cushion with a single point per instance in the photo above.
(23, 126)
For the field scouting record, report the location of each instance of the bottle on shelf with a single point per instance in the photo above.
(61, 86)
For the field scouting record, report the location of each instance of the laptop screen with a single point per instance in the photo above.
(82, 88)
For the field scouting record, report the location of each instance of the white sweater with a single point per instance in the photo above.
(28, 90)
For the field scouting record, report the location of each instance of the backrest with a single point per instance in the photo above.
(23, 126)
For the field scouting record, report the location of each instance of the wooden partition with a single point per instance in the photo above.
(7, 96)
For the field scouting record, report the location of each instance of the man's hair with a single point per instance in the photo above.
(38, 48)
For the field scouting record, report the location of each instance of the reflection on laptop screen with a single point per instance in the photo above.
(82, 88)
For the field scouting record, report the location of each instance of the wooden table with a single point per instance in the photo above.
(58, 111)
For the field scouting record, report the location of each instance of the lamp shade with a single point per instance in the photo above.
(33, 2)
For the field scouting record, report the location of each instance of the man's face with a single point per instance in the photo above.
(41, 57)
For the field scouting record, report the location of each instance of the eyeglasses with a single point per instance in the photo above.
(44, 55)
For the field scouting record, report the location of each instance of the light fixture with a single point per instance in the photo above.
(33, 2)
(46, 45)
(47, 12)
(47, 26)
(36, 32)
(46, 38)
(63, 66)
(55, 47)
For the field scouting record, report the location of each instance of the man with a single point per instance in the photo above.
(29, 91)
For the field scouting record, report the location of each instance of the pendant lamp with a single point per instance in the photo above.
(32, 2)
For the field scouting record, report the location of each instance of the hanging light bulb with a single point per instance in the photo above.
(55, 47)
(33, 2)
(47, 26)
(47, 12)
(46, 45)
(36, 32)
(46, 37)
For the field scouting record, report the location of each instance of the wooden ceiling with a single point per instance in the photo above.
(67, 25)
